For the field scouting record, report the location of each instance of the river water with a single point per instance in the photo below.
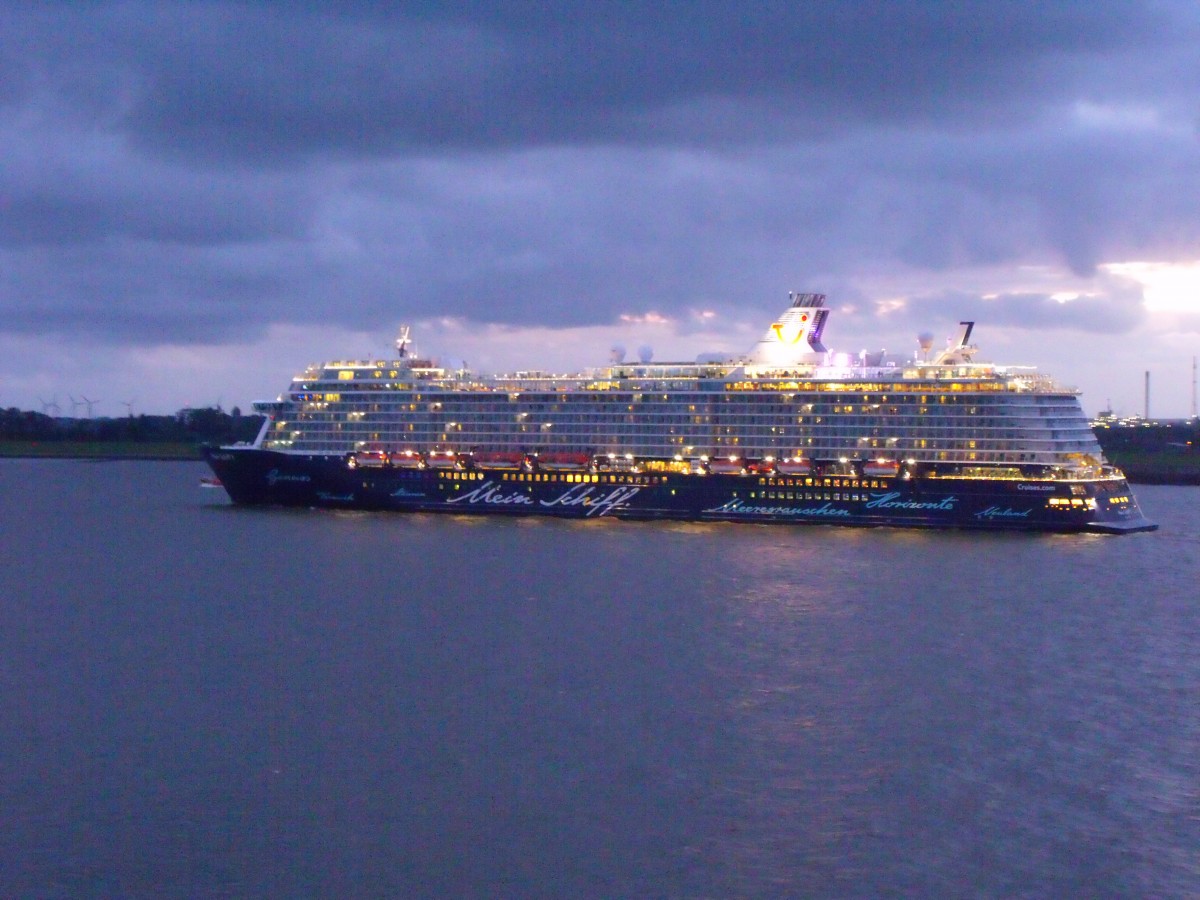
(205, 701)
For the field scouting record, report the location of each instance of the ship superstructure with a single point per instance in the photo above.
(790, 408)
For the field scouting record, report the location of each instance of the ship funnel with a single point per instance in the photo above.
(795, 337)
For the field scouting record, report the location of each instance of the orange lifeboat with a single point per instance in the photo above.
(881, 468)
(407, 459)
(729, 466)
(441, 459)
(564, 462)
(369, 459)
(796, 465)
(498, 461)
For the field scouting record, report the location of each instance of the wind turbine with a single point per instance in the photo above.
(89, 404)
(51, 404)
(128, 404)
(75, 404)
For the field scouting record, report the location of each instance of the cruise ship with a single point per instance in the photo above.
(788, 432)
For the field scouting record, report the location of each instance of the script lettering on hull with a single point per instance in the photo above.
(890, 501)
(405, 492)
(598, 502)
(491, 493)
(737, 507)
(275, 476)
(1005, 512)
(595, 501)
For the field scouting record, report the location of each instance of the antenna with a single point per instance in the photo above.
(402, 340)
(1193, 387)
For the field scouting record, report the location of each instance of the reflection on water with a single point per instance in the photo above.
(208, 700)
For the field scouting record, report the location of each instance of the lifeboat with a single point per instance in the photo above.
(498, 461)
(407, 459)
(730, 466)
(881, 468)
(564, 462)
(368, 459)
(797, 465)
(442, 459)
(211, 482)
(614, 463)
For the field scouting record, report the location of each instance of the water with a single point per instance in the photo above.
(202, 701)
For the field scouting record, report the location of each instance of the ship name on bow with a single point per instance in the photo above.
(276, 476)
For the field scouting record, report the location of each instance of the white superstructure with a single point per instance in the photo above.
(788, 397)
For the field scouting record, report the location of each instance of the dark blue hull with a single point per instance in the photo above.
(253, 476)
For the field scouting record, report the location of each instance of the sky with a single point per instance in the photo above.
(198, 199)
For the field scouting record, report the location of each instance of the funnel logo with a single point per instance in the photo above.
(777, 327)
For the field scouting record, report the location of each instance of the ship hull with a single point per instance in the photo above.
(263, 477)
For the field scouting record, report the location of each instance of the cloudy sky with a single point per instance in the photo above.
(197, 199)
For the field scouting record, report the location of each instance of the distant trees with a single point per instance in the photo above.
(17, 424)
(197, 426)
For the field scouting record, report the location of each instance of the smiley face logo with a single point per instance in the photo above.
(795, 338)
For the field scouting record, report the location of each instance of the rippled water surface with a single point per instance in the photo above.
(199, 700)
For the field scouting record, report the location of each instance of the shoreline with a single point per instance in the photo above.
(100, 450)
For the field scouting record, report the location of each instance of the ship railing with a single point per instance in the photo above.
(1037, 384)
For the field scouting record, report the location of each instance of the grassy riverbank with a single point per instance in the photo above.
(1150, 467)
(169, 450)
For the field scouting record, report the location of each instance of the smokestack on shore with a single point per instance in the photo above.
(1146, 414)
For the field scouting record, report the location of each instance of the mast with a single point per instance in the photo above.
(1193, 387)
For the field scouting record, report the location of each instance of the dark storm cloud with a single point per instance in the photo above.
(78, 198)
(192, 171)
(275, 80)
